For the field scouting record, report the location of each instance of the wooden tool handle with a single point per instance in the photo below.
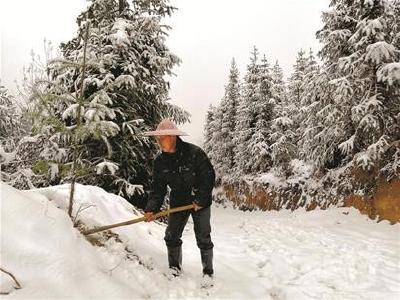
(141, 219)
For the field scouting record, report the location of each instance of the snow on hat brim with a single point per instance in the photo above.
(165, 132)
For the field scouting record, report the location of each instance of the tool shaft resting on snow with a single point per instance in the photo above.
(141, 219)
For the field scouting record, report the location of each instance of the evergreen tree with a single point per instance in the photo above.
(228, 107)
(9, 119)
(124, 91)
(208, 131)
(295, 86)
(247, 116)
(363, 106)
(309, 100)
(216, 154)
(278, 88)
(259, 146)
(283, 140)
(17, 151)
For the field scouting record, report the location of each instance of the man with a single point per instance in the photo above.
(186, 169)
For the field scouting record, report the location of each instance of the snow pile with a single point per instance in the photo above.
(51, 259)
(333, 254)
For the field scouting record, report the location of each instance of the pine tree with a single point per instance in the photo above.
(283, 140)
(216, 142)
(295, 86)
(247, 116)
(309, 101)
(9, 119)
(278, 88)
(259, 145)
(208, 131)
(361, 102)
(228, 107)
(17, 150)
(242, 136)
(125, 90)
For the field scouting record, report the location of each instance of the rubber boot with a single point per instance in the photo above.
(207, 261)
(175, 259)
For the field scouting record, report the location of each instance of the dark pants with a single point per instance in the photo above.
(202, 230)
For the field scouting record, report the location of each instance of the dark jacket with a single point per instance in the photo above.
(189, 174)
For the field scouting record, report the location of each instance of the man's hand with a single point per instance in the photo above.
(149, 216)
(196, 206)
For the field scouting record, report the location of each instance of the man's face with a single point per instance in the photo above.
(167, 142)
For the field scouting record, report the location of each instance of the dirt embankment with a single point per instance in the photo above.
(381, 204)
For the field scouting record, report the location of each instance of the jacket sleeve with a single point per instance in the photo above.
(158, 189)
(206, 175)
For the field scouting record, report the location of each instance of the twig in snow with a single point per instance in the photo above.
(81, 209)
(13, 277)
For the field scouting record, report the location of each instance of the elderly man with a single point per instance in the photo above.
(186, 169)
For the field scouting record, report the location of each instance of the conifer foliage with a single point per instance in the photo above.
(341, 113)
(103, 92)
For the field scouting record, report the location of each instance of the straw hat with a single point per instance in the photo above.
(166, 127)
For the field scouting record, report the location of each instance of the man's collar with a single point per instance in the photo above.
(179, 144)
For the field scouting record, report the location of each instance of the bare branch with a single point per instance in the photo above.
(18, 286)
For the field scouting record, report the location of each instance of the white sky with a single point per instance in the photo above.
(205, 34)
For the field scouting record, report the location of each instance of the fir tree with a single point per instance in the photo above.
(259, 146)
(208, 131)
(217, 143)
(9, 118)
(278, 88)
(295, 86)
(228, 107)
(247, 116)
(124, 89)
(362, 104)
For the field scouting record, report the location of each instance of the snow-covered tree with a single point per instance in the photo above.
(18, 151)
(283, 147)
(246, 116)
(124, 91)
(278, 88)
(359, 40)
(295, 84)
(9, 118)
(209, 130)
(215, 142)
(309, 100)
(263, 105)
(228, 108)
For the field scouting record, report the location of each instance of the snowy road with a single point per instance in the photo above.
(313, 255)
(333, 254)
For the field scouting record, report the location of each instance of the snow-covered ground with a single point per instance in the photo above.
(333, 254)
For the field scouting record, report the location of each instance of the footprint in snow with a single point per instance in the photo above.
(277, 293)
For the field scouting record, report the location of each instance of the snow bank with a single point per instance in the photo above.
(331, 254)
(51, 259)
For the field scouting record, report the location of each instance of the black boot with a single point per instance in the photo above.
(175, 259)
(207, 261)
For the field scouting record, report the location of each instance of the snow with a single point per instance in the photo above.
(347, 146)
(380, 52)
(110, 166)
(120, 37)
(301, 172)
(6, 157)
(389, 73)
(283, 121)
(270, 178)
(71, 111)
(332, 254)
(125, 80)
